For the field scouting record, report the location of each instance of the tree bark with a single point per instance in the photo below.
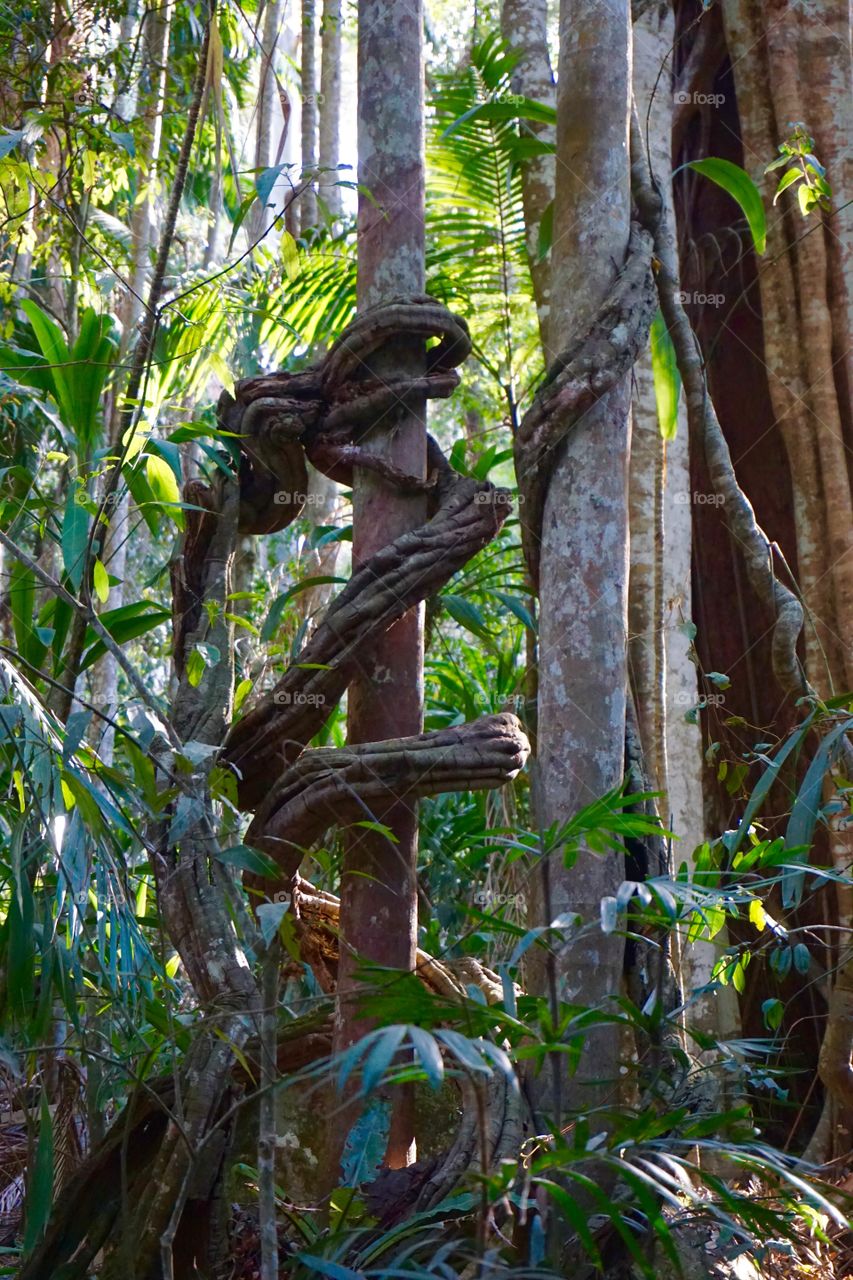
(378, 886)
(308, 199)
(806, 292)
(584, 536)
(524, 24)
(330, 101)
(265, 156)
(663, 675)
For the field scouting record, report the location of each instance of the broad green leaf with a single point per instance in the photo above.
(40, 1181)
(737, 182)
(546, 233)
(101, 581)
(332, 1270)
(55, 351)
(123, 624)
(9, 139)
(665, 375)
(75, 536)
(428, 1054)
(248, 859)
(276, 609)
(467, 614)
(366, 1142)
(804, 814)
(520, 109)
(787, 180)
(22, 601)
(162, 480)
(380, 1057)
(289, 256)
(196, 667)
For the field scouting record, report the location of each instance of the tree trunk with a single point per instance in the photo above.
(265, 155)
(663, 674)
(308, 199)
(378, 885)
(584, 537)
(806, 301)
(524, 24)
(330, 102)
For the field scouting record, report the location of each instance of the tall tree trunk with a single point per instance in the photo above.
(806, 301)
(663, 675)
(308, 199)
(156, 37)
(524, 24)
(156, 52)
(378, 885)
(584, 537)
(265, 154)
(330, 101)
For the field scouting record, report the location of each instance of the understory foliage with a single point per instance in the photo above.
(95, 1005)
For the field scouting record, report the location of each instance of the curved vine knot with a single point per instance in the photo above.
(322, 412)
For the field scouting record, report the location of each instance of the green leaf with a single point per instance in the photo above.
(467, 615)
(428, 1054)
(22, 601)
(101, 580)
(366, 1142)
(75, 537)
(276, 609)
(517, 608)
(265, 182)
(772, 1011)
(332, 1270)
(270, 916)
(520, 109)
(248, 859)
(123, 624)
(9, 139)
(380, 1057)
(40, 1181)
(55, 351)
(787, 180)
(807, 199)
(665, 375)
(289, 256)
(737, 182)
(162, 480)
(196, 667)
(804, 814)
(546, 233)
(765, 782)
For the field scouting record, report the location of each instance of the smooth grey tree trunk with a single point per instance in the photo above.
(584, 553)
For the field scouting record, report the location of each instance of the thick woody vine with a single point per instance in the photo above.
(284, 422)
